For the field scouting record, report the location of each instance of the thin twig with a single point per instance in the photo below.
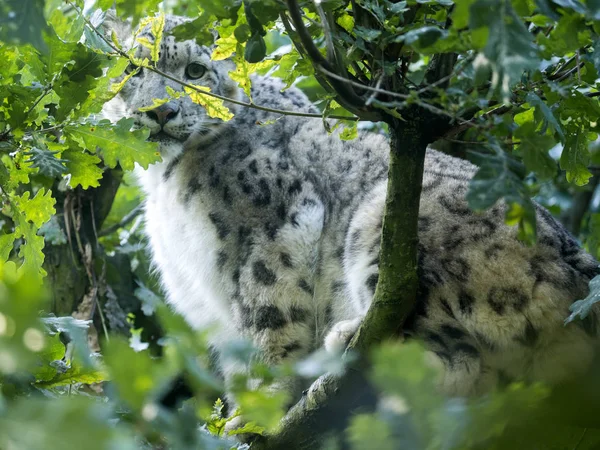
(561, 70)
(331, 53)
(347, 95)
(569, 72)
(374, 94)
(580, 439)
(460, 67)
(362, 86)
(124, 221)
(465, 125)
(426, 106)
(45, 92)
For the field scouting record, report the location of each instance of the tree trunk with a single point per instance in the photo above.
(396, 291)
(330, 402)
(70, 266)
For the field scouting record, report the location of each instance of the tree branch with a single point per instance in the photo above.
(124, 221)
(347, 97)
(119, 52)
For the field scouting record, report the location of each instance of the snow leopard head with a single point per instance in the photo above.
(179, 123)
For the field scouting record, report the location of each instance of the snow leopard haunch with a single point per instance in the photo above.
(271, 233)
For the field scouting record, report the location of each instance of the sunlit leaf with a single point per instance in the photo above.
(83, 168)
(214, 106)
(39, 209)
(118, 143)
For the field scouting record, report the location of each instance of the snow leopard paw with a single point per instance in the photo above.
(338, 338)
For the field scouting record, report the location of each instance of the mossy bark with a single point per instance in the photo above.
(396, 290)
(80, 214)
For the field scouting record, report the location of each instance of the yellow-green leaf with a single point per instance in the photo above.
(225, 47)
(83, 168)
(156, 102)
(31, 250)
(156, 28)
(19, 170)
(214, 106)
(243, 70)
(77, 373)
(116, 87)
(39, 209)
(6, 245)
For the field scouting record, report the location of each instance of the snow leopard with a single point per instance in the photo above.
(267, 228)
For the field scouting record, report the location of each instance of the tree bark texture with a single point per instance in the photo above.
(77, 269)
(396, 290)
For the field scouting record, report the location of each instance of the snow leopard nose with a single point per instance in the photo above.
(163, 113)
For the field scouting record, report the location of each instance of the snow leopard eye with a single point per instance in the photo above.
(132, 67)
(195, 71)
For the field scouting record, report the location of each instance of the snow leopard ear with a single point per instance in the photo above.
(122, 29)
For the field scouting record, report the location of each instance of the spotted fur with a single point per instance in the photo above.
(271, 233)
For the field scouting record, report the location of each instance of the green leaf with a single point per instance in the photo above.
(350, 131)
(567, 36)
(196, 29)
(48, 164)
(423, 37)
(576, 157)
(118, 143)
(263, 407)
(137, 377)
(543, 109)
(501, 176)
(19, 170)
(59, 53)
(256, 49)
(509, 48)
(39, 422)
(69, 27)
(80, 76)
(369, 431)
(534, 148)
(39, 209)
(583, 307)
(369, 34)
(50, 358)
(249, 427)
(31, 250)
(6, 245)
(83, 168)
(135, 10)
(461, 13)
(242, 33)
(76, 373)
